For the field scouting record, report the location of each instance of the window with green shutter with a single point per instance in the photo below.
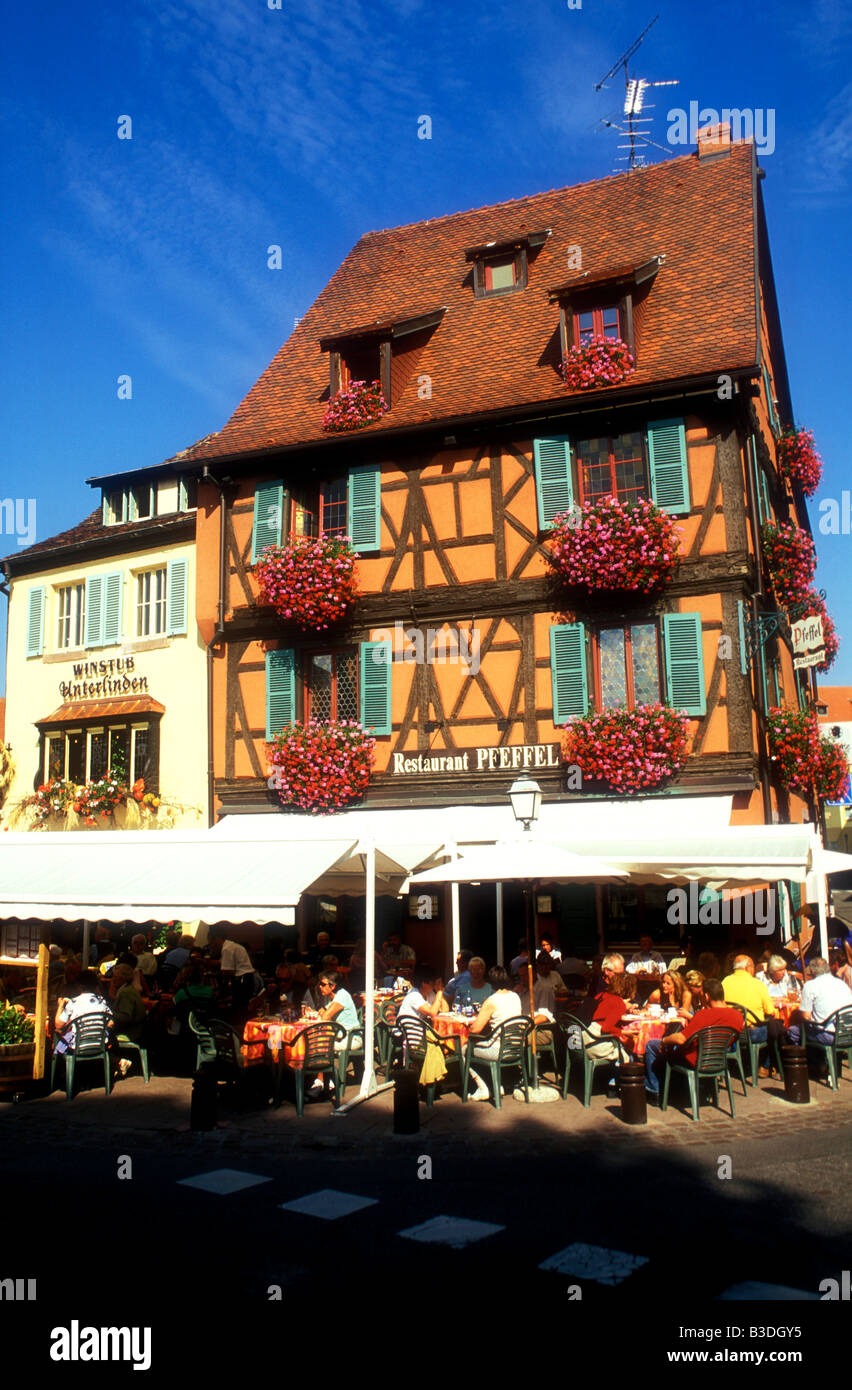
(684, 662)
(743, 619)
(364, 497)
(113, 593)
(669, 466)
(176, 597)
(94, 609)
(35, 622)
(268, 518)
(770, 400)
(554, 487)
(568, 671)
(280, 690)
(375, 666)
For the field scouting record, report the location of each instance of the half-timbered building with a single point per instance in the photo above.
(462, 654)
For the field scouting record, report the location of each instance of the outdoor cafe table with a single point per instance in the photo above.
(786, 1008)
(643, 1027)
(284, 1040)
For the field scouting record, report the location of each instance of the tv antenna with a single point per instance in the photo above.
(633, 121)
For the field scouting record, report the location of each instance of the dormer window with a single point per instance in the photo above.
(501, 267)
(599, 304)
(366, 353)
(129, 504)
(597, 323)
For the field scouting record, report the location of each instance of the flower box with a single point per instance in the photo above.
(321, 767)
(360, 403)
(600, 362)
(806, 761)
(311, 582)
(798, 460)
(614, 545)
(630, 750)
(790, 560)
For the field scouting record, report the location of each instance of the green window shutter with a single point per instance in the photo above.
(374, 671)
(280, 690)
(568, 671)
(181, 495)
(364, 505)
(104, 509)
(770, 403)
(684, 662)
(130, 509)
(554, 488)
(112, 595)
(741, 622)
(176, 598)
(35, 622)
(94, 610)
(268, 518)
(667, 460)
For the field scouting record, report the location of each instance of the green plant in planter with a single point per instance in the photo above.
(15, 1027)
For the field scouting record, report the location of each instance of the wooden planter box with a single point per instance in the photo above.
(16, 1059)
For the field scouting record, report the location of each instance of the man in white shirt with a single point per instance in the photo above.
(777, 978)
(237, 970)
(86, 1001)
(646, 961)
(822, 995)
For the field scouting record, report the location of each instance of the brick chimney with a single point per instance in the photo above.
(713, 140)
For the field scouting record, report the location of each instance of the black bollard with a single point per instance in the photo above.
(631, 1086)
(795, 1063)
(202, 1108)
(406, 1103)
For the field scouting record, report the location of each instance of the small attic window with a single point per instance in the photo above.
(501, 267)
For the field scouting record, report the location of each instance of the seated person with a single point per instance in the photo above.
(501, 1005)
(626, 987)
(646, 961)
(146, 961)
(840, 967)
(681, 1047)
(338, 1007)
(572, 965)
(673, 993)
(85, 1001)
(549, 946)
(191, 992)
(480, 987)
(399, 959)
(358, 966)
(460, 982)
(695, 984)
(426, 997)
(547, 982)
(740, 987)
(321, 947)
(289, 989)
(521, 960)
(822, 995)
(709, 966)
(129, 1011)
(779, 981)
(608, 1008)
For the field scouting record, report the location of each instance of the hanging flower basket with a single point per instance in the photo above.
(600, 362)
(310, 582)
(813, 606)
(798, 460)
(360, 403)
(614, 545)
(628, 749)
(791, 561)
(321, 767)
(806, 761)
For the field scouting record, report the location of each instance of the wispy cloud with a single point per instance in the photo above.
(822, 157)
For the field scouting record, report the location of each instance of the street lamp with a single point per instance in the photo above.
(525, 796)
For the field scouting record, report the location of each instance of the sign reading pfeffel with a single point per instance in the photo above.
(808, 643)
(477, 760)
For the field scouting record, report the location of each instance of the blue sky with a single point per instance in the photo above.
(298, 127)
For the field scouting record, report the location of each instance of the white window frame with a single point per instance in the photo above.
(134, 730)
(90, 735)
(152, 604)
(75, 619)
(63, 740)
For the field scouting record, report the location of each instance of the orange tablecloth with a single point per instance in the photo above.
(643, 1030)
(451, 1026)
(786, 1008)
(280, 1038)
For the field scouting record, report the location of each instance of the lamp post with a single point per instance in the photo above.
(525, 797)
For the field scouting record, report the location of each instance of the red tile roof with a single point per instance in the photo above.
(92, 528)
(486, 354)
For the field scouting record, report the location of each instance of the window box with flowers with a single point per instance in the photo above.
(615, 545)
(311, 582)
(359, 404)
(631, 750)
(321, 767)
(62, 800)
(599, 361)
(790, 560)
(806, 761)
(798, 460)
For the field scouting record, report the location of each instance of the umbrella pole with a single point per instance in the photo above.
(530, 975)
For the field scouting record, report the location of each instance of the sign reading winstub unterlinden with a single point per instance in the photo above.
(516, 756)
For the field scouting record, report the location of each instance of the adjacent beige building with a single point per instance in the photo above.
(105, 669)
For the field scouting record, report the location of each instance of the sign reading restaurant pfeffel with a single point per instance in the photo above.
(477, 759)
(113, 677)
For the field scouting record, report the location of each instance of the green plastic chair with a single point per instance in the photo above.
(385, 1024)
(124, 1046)
(205, 1050)
(319, 1056)
(752, 1050)
(835, 1051)
(544, 1049)
(713, 1056)
(409, 1049)
(352, 1048)
(512, 1036)
(90, 1044)
(588, 1040)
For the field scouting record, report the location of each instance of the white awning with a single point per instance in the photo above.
(141, 876)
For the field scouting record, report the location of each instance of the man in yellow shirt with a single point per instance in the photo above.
(741, 987)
